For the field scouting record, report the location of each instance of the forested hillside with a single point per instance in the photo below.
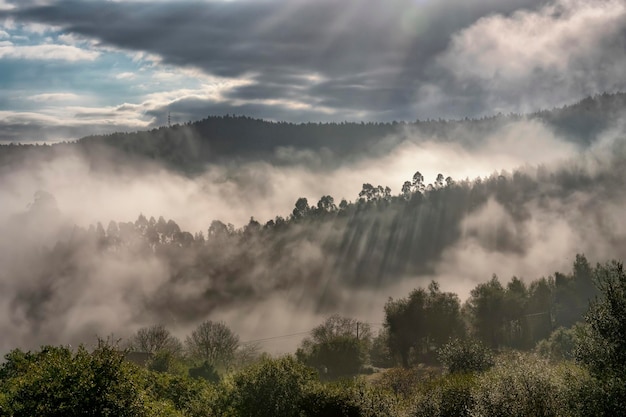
(476, 294)
(189, 147)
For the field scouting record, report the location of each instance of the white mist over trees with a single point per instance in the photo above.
(255, 248)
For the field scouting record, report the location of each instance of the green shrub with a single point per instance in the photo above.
(329, 400)
(403, 382)
(273, 387)
(599, 397)
(166, 361)
(465, 355)
(524, 385)
(337, 357)
(603, 347)
(448, 396)
(561, 344)
(205, 371)
(59, 382)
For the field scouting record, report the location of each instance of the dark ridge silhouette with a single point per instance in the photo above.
(189, 147)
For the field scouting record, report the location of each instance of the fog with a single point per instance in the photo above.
(233, 193)
(535, 235)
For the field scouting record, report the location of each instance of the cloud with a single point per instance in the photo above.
(368, 59)
(534, 232)
(46, 97)
(533, 59)
(125, 76)
(47, 53)
(6, 6)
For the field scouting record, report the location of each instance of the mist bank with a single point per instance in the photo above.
(238, 241)
(285, 275)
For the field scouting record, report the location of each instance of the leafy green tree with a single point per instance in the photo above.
(539, 309)
(603, 348)
(422, 322)
(447, 396)
(58, 382)
(405, 319)
(273, 387)
(486, 307)
(191, 397)
(337, 347)
(338, 357)
(465, 356)
(205, 371)
(337, 325)
(516, 332)
(380, 355)
(165, 361)
(444, 316)
(573, 292)
(561, 344)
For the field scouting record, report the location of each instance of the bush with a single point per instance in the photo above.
(523, 385)
(603, 347)
(380, 355)
(273, 387)
(561, 344)
(165, 361)
(337, 357)
(59, 382)
(192, 397)
(329, 400)
(403, 382)
(205, 371)
(465, 355)
(449, 396)
(599, 397)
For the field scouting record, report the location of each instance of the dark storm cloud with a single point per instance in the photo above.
(364, 55)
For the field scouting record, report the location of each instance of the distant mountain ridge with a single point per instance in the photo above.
(189, 147)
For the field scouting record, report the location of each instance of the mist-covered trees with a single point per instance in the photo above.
(358, 245)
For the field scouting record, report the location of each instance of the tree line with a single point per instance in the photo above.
(473, 381)
(189, 147)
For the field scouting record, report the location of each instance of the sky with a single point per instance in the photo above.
(71, 68)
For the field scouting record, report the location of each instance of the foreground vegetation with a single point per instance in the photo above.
(469, 381)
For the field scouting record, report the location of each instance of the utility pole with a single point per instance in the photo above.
(357, 330)
(169, 119)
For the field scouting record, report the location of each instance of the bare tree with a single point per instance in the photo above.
(155, 339)
(212, 342)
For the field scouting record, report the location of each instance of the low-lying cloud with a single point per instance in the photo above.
(532, 234)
